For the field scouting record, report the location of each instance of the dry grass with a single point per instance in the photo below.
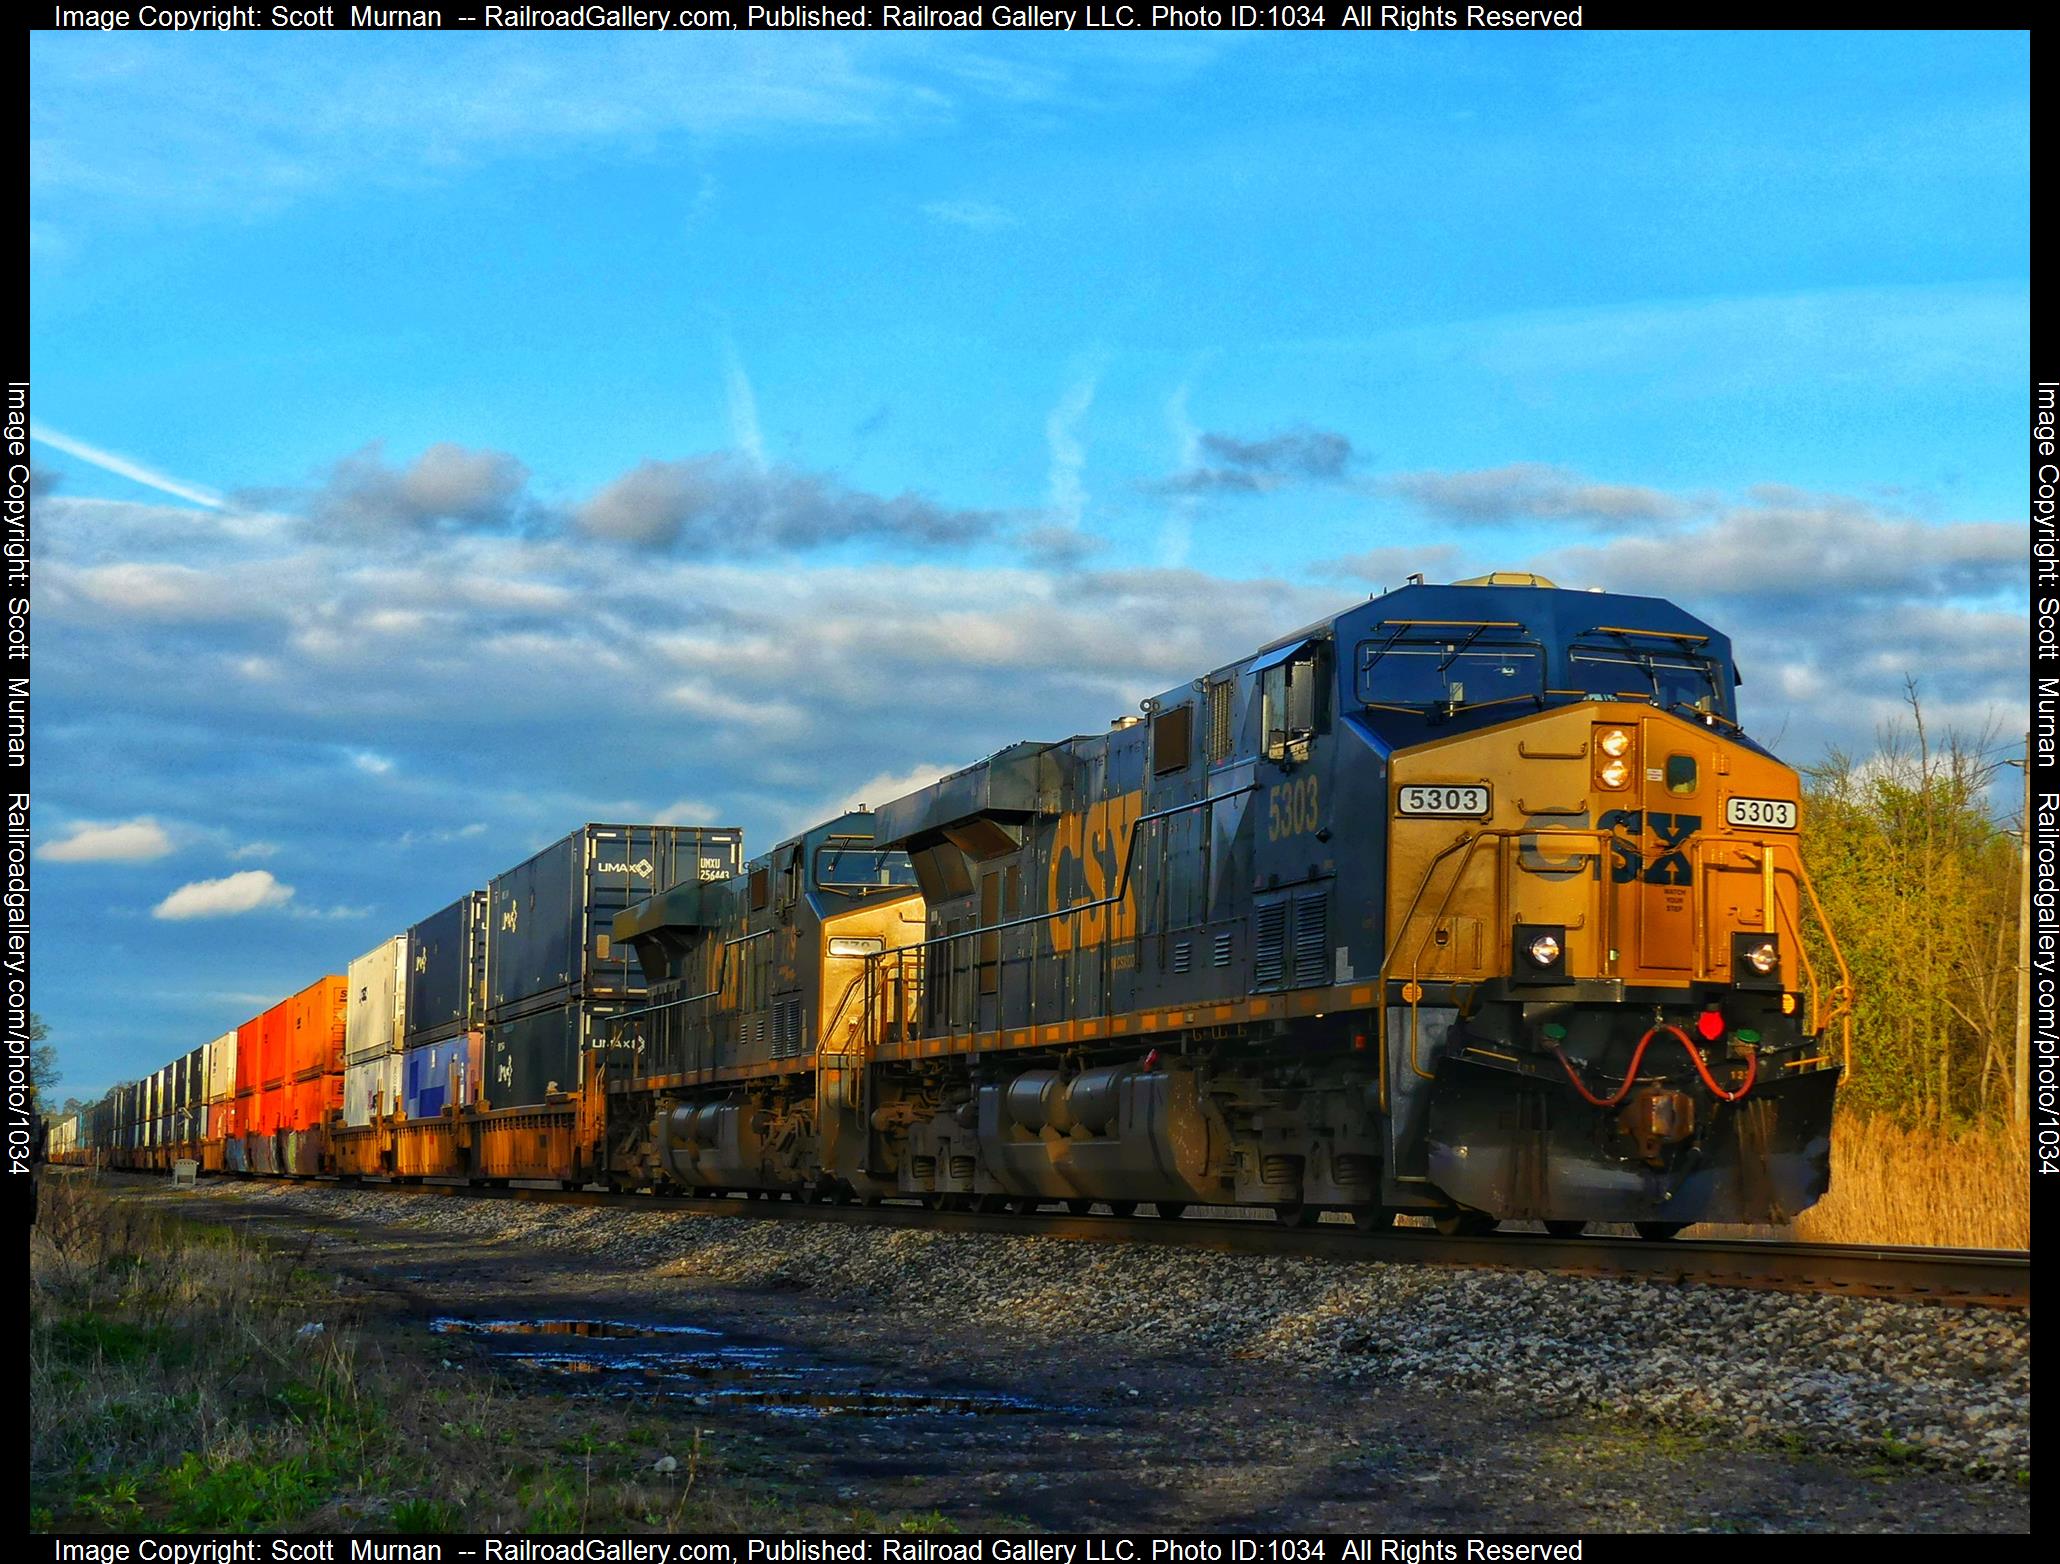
(1891, 1185)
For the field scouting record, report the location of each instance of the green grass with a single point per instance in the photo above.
(172, 1390)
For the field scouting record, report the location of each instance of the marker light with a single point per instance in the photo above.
(1613, 742)
(1764, 957)
(1614, 775)
(1544, 950)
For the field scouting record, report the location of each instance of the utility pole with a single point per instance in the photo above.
(2020, 1098)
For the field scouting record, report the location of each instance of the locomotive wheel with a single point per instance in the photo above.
(1025, 1205)
(1080, 1207)
(1466, 1224)
(1122, 1208)
(1298, 1214)
(1373, 1219)
(1658, 1232)
(1170, 1209)
(1566, 1229)
(990, 1205)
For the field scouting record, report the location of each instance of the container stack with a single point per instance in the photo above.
(374, 1030)
(220, 1097)
(444, 1009)
(553, 973)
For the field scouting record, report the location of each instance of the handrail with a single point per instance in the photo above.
(1114, 897)
(1822, 1014)
(721, 976)
(1465, 845)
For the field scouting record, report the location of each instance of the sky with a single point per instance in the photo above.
(444, 440)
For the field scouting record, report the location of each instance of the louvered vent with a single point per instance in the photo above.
(1183, 957)
(1269, 949)
(1312, 936)
(1223, 950)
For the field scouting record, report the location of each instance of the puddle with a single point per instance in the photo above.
(699, 1367)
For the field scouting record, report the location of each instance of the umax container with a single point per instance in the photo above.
(549, 920)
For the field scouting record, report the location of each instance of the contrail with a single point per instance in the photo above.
(121, 465)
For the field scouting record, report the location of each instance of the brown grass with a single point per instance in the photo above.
(1892, 1185)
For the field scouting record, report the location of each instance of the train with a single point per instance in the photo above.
(1471, 903)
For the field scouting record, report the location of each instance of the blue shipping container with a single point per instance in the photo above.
(447, 970)
(436, 1076)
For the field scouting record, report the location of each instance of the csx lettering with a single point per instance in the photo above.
(1291, 809)
(1669, 865)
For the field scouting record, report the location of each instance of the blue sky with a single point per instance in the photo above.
(448, 439)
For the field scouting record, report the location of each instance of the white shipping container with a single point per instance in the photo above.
(374, 1016)
(221, 1068)
(371, 1087)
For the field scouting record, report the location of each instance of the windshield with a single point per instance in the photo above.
(841, 868)
(1461, 671)
(1666, 678)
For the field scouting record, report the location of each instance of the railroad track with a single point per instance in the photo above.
(1965, 1278)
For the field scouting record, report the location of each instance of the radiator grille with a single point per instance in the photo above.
(1183, 957)
(1269, 944)
(1223, 950)
(1312, 936)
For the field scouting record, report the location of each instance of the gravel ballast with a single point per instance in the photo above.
(1950, 1386)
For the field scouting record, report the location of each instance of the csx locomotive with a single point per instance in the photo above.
(1471, 901)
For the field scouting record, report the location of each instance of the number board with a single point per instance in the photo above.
(1768, 814)
(1466, 801)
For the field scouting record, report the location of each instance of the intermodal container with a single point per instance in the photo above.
(314, 1029)
(549, 919)
(275, 1048)
(440, 1075)
(221, 1068)
(446, 994)
(372, 1088)
(533, 1054)
(250, 1055)
(311, 1100)
(375, 1014)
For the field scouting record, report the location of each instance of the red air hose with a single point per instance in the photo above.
(1752, 1070)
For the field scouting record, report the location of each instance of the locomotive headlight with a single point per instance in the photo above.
(1613, 742)
(1755, 960)
(1537, 953)
(1614, 775)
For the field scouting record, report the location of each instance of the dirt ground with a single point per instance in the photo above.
(1093, 1436)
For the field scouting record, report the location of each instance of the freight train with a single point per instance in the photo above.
(1472, 902)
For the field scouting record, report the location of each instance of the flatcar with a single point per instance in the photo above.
(1470, 901)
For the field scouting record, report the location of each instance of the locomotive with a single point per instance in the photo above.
(1471, 902)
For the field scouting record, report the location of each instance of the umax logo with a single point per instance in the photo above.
(641, 866)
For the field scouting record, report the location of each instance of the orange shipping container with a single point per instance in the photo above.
(313, 1100)
(316, 1030)
(275, 1047)
(250, 1055)
(221, 1120)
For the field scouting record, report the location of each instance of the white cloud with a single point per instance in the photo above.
(744, 431)
(224, 898)
(125, 467)
(1067, 496)
(981, 216)
(372, 765)
(255, 850)
(128, 841)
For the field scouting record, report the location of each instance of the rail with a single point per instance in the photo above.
(1964, 1278)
